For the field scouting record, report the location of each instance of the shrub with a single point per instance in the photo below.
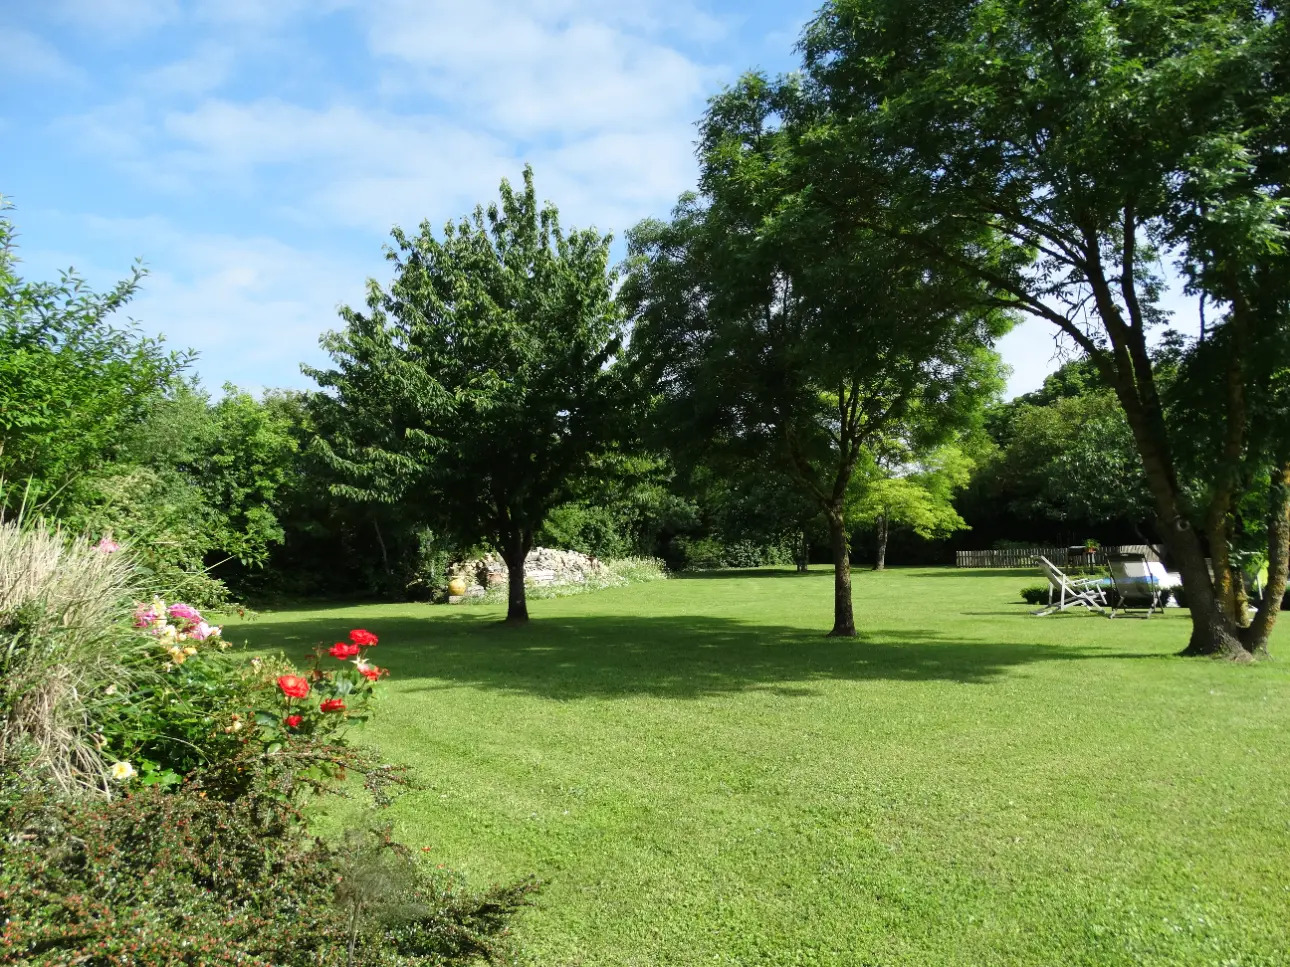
(588, 529)
(164, 520)
(196, 705)
(1035, 594)
(193, 877)
(433, 568)
(195, 852)
(712, 553)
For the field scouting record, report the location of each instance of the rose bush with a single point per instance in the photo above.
(319, 705)
(195, 704)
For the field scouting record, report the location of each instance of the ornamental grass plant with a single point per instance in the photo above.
(65, 638)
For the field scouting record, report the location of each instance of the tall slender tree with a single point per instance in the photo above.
(787, 337)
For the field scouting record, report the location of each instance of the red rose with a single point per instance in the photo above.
(332, 705)
(364, 639)
(293, 686)
(341, 650)
(293, 721)
(371, 673)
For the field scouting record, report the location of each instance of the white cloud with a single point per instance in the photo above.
(592, 92)
(205, 70)
(115, 20)
(24, 54)
(261, 14)
(564, 68)
(368, 169)
(119, 130)
(344, 165)
(252, 306)
(600, 96)
(614, 179)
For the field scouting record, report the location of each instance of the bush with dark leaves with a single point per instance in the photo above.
(190, 876)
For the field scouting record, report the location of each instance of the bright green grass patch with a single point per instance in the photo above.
(703, 778)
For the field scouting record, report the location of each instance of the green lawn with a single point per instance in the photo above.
(702, 778)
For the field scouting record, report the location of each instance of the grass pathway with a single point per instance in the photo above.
(702, 778)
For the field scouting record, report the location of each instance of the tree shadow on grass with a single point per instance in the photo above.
(619, 656)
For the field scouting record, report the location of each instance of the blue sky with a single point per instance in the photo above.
(255, 153)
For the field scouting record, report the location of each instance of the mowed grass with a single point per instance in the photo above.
(701, 777)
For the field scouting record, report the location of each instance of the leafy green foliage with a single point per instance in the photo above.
(195, 877)
(72, 383)
(477, 387)
(203, 860)
(1092, 138)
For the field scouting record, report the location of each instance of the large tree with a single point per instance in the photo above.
(1098, 136)
(478, 386)
(787, 338)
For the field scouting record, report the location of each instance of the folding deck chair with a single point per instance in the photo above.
(1070, 592)
(1139, 582)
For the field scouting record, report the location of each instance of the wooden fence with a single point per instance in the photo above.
(1025, 556)
(1008, 557)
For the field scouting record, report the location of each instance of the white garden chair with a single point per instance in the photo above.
(1070, 592)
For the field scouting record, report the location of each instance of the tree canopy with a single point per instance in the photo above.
(73, 380)
(479, 385)
(774, 330)
(1094, 138)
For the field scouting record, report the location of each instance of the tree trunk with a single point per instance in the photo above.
(844, 624)
(1126, 365)
(1213, 632)
(880, 559)
(380, 540)
(1256, 638)
(516, 550)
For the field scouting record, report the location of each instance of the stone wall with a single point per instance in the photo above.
(544, 567)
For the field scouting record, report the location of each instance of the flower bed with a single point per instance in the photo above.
(151, 801)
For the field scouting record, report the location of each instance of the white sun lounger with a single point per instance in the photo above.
(1070, 592)
(1139, 582)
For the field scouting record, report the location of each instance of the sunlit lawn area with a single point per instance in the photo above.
(702, 778)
